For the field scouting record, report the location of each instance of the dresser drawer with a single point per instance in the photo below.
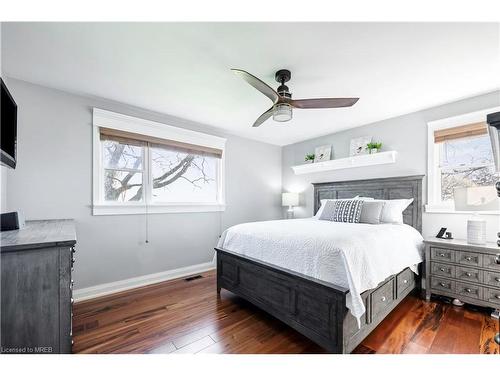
(471, 259)
(442, 254)
(443, 269)
(469, 290)
(442, 284)
(405, 280)
(469, 274)
(492, 295)
(491, 278)
(492, 261)
(381, 298)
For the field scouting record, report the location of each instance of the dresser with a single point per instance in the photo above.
(460, 270)
(36, 285)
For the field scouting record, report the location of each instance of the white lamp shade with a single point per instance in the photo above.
(290, 199)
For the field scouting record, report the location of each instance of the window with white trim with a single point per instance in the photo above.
(142, 166)
(461, 171)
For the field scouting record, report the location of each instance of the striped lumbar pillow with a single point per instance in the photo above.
(342, 210)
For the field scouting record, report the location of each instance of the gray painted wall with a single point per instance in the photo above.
(405, 134)
(53, 179)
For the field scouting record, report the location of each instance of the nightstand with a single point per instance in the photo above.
(457, 269)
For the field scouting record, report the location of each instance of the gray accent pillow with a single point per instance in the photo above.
(371, 211)
(342, 210)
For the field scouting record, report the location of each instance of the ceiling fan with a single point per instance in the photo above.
(282, 98)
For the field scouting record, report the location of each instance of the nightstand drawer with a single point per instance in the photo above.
(442, 254)
(492, 261)
(492, 295)
(471, 259)
(469, 290)
(442, 284)
(443, 269)
(492, 278)
(469, 274)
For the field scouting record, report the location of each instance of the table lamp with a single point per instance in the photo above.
(290, 200)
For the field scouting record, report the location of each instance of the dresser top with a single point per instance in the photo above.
(38, 234)
(463, 244)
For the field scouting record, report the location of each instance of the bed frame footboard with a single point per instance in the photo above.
(313, 307)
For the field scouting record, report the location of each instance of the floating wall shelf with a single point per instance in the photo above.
(386, 157)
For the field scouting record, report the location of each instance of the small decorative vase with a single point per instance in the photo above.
(373, 150)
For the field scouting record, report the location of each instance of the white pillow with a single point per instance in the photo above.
(392, 212)
(321, 207)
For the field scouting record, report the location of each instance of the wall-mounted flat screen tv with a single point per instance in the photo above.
(8, 125)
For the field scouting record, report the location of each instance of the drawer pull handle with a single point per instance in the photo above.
(497, 259)
(405, 281)
(442, 269)
(468, 274)
(468, 259)
(72, 300)
(441, 254)
(468, 290)
(497, 296)
(383, 298)
(443, 284)
(497, 279)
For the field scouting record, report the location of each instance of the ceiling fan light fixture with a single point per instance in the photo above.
(282, 112)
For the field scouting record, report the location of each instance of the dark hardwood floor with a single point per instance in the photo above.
(187, 317)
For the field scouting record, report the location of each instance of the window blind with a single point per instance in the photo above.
(457, 132)
(142, 140)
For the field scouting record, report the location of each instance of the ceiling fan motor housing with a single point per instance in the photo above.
(283, 76)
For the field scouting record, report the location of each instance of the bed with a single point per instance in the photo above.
(335, 313)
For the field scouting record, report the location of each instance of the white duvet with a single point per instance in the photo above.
(354, 256)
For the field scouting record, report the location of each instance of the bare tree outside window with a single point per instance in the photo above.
(466, 162)
(176, 176)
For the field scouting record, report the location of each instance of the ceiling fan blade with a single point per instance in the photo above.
(263, 117)
(322, 102)
(258, 84)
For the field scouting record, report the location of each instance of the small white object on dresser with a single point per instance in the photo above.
(476, 231)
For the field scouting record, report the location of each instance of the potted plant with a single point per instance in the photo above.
(309, 158)
(374, 147)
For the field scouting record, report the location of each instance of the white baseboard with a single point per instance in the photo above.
(135, 282)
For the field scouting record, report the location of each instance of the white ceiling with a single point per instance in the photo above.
(182, 69)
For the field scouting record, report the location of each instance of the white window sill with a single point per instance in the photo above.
(141, 209)
(447, 210)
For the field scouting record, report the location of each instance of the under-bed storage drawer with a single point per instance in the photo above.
(381, 298)
(404, 281)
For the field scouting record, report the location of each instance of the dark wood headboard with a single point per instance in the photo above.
(380, 188)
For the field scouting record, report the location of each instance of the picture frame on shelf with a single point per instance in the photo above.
(358, 145)
(322, 153)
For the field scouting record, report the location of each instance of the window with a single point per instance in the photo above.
(141, 166)
(461, 171)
